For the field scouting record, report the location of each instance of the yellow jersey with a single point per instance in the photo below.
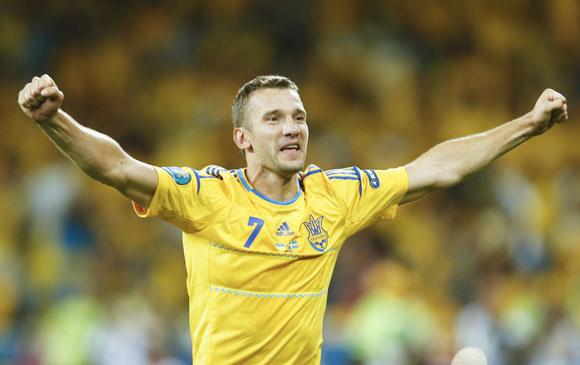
(258, 270)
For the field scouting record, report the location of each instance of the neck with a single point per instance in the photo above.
(271, 184)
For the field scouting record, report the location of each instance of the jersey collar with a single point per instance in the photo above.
(246, 184)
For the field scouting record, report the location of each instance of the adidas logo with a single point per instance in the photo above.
(284, 230)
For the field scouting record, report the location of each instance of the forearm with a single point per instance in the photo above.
(454, 160)
(98, 155)
(95, 153)
(450, 162)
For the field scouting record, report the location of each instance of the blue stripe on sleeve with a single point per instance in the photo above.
(215, 171)
(357, 171)
(312, 172)
(344, 178)
(341, 174)
(346, 170)
(195, 172)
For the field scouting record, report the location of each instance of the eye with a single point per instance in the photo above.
(301, 118)
(273, 118)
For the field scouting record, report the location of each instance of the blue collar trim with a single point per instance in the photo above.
(242, 176)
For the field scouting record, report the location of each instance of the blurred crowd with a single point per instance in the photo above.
(493, 263)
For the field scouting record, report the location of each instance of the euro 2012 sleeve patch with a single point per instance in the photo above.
(179, 175)
(374, 181)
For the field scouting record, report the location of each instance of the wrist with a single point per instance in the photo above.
(528, 125)
(54, 119)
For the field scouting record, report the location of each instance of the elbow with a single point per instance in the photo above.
(111, 174)
(447, 180)
(443, 175)
(107, 177)
(116, 176)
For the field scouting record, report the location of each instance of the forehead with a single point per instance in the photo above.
(265, 100)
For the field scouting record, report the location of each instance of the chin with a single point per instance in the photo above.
(291, 167)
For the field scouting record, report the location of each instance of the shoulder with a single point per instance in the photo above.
(208, 178)
(314, 172)
(212, 171)
(217, 174)
(315, 178)
(347, 173)
(352, 180)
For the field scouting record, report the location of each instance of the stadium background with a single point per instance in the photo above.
(494, 262)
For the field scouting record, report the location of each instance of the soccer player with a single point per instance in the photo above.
(261, 242)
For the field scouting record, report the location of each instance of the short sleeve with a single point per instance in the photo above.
(178, 199)
(369, 195)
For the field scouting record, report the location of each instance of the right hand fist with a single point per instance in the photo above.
(40, 99)
(550, 108)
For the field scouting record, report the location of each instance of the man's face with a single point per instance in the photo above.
(275, 121)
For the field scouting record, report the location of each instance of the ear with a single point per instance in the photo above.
(241, 138)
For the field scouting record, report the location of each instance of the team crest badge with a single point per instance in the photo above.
(317, 236)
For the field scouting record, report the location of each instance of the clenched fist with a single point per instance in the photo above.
(550, 108)
(40, 99)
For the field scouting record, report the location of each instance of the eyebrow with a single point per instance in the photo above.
(280, 111)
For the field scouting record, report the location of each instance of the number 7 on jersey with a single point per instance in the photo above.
(259, 223)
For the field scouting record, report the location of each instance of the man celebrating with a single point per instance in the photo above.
(261, 242)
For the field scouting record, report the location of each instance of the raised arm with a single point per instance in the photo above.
(450, 162)
(98, 155)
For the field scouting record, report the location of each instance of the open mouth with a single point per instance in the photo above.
(290, 147)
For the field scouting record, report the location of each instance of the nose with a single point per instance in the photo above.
(290, 127)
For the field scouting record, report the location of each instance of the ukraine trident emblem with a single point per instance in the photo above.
(317, 236)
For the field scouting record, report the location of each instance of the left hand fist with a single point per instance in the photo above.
(550, 108)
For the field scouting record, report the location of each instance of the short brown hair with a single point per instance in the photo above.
(259, 82)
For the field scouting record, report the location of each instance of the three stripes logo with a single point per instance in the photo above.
(284, 230)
